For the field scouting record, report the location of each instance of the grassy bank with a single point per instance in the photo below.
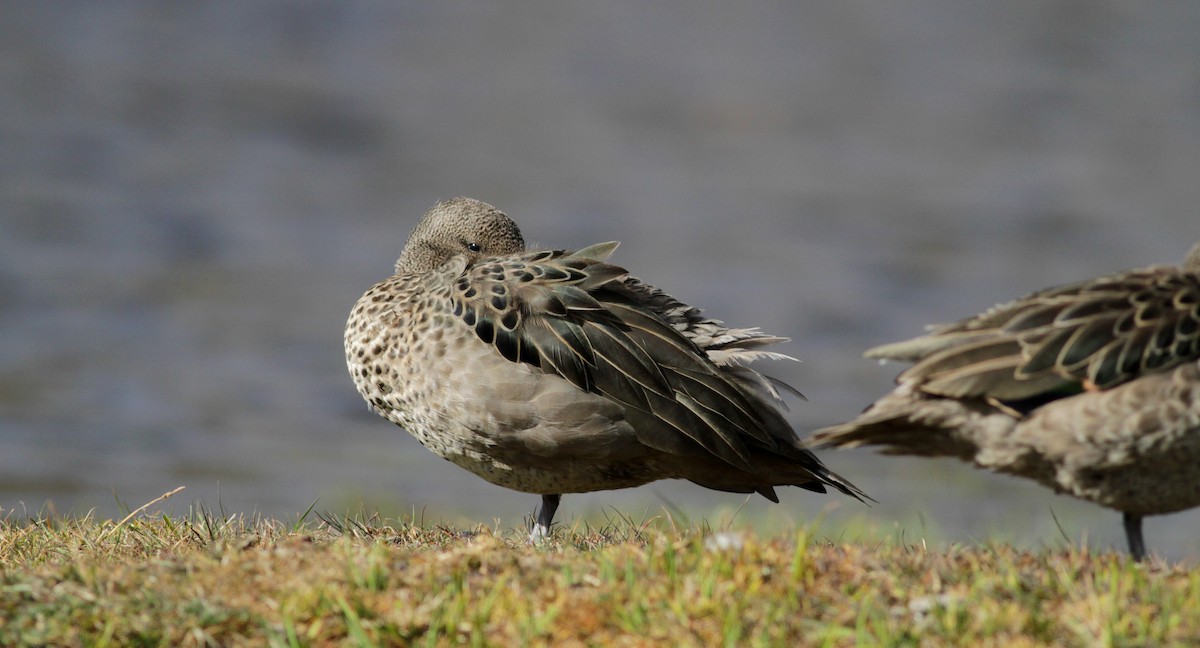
(203, 579)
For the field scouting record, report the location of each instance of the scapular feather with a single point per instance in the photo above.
(1107, 331)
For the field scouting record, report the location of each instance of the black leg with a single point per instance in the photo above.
(1133, 533)
(545, 516)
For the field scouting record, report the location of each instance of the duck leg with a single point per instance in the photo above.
(545, 515)
(1133, 533)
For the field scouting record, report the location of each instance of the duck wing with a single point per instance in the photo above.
(571, 315)
(1096, 334)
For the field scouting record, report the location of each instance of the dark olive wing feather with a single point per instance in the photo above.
(1099, 333)
(573, 316)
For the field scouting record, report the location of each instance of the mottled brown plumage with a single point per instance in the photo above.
(550, 371)
(1091, 388)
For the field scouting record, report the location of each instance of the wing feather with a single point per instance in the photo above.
(587, 321)
(1104, 331)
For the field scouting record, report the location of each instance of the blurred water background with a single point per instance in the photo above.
(193, 194)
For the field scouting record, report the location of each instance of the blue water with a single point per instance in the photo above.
(193, 194)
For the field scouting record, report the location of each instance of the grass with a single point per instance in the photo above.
(206, 578)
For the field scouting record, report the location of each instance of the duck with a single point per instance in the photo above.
(1091, 389)
(554, 371)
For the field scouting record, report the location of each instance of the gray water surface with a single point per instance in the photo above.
(193, 194)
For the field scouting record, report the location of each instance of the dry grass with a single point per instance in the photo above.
(204, 579)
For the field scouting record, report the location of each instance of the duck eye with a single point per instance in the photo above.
(474, 247)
